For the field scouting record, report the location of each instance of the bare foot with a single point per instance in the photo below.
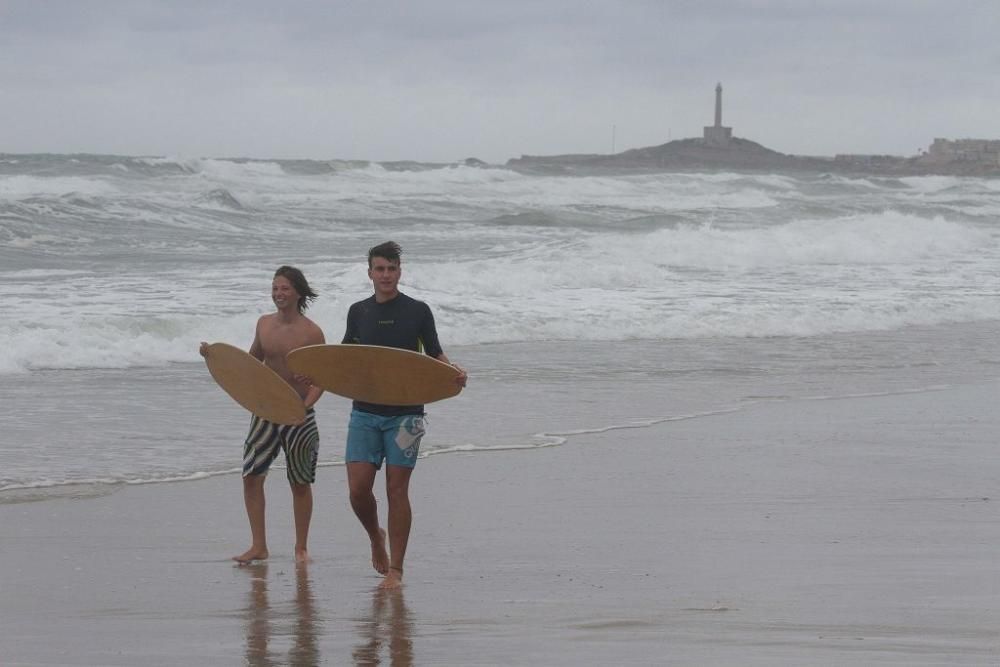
(301, 556)
(393, 579)
(251, 555)
(380, 557)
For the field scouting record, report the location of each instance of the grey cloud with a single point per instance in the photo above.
(440, 80)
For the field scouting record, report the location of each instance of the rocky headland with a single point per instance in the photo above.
(739, 154)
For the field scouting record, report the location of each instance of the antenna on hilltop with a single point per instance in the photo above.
(613, 128)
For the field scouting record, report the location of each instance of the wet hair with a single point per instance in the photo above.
(300, 284)
(389, 250)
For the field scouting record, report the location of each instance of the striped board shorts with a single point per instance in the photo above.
(299, 442)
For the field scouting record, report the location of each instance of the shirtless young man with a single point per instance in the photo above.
(278, 334)
(388, 433)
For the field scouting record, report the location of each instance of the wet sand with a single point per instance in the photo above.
(837, 532)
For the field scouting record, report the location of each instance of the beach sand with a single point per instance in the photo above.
(851, 531)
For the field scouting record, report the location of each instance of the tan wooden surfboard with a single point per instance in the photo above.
(253, 385)
(376, 374)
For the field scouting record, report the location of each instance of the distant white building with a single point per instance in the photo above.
(979, 151)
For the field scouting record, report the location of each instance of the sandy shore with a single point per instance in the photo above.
(851, 531)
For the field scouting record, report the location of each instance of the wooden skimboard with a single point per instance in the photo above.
(376, 374)
(253, 385)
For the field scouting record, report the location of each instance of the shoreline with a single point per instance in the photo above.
(523, 395)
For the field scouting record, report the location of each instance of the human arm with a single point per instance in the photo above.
(257, 348)
(351, 334)
(463, 377)
(432, 346)
(314, 392)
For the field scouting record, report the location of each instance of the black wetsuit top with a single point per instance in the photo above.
(402, 322)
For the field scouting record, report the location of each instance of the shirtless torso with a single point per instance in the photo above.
(278, 334)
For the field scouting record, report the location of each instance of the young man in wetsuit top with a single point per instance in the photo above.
(388, 433)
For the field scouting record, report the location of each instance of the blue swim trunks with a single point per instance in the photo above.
(376, 438)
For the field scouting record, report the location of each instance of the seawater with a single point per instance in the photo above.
(583, 302)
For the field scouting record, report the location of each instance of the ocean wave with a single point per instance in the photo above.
(582, 315)
(221, 198)
(48, 489)
(146, 266)
(25, 187)
(933, 183)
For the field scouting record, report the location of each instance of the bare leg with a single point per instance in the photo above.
(302, 506)
(253, 498)
(397, 487)
(360, 480)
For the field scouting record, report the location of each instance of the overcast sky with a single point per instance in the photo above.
(441, 81)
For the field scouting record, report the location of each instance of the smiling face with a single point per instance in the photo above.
(384, 274)
(283, 294)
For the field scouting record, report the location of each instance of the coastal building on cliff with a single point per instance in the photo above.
(977, 151)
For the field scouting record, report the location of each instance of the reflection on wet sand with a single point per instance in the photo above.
(267, 625)
(258, 617)
(305, 620)
(389, 625)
